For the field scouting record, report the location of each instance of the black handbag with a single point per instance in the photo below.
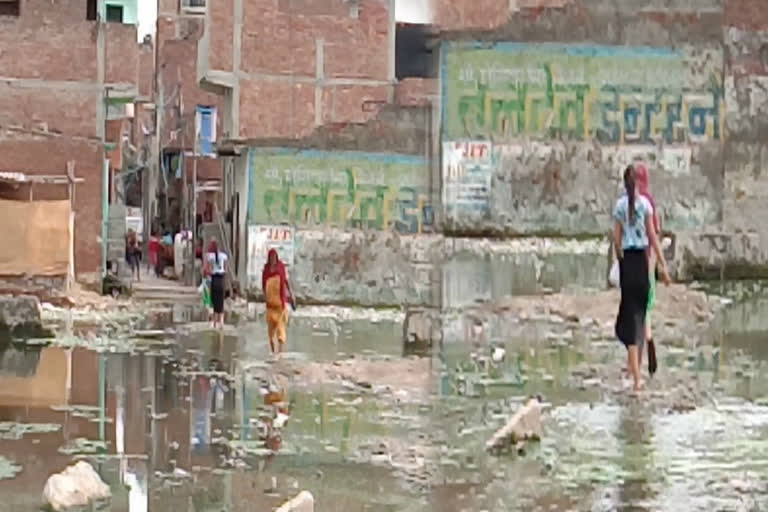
(652, 364)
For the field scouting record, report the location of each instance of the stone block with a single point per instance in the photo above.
(76, 486)
(523, 426)
(422, 326)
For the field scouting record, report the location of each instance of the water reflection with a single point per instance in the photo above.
(637, 466)
(205, 425)
(135, 417)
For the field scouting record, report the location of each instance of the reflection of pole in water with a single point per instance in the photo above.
(200, 419)
(120, 419)
(133, 473)
(102, 395)
(635, 432)
(276, 398)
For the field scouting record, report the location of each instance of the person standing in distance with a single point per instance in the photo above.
(633, 233)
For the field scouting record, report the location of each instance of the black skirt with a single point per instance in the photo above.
(630, 322)
(133, 256)
(217, 292)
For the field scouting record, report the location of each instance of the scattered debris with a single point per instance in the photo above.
(76, 486)
(525, 425)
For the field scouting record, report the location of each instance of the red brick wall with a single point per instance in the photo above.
(415, 91)
(359, 48)
(122, 50)
(352, 103)
(474, 14)
(274, 109)
(167, 6)
(177, 69)
(177, 41)
(52, 42)
(747, 24)
(746, 14)
(29, 49)
(59, 13)
(207, 168)
(146, 70)
(63, 110)
(487, 14)
(221, 33)
(115, 130)
(49, 155)
(354, 48)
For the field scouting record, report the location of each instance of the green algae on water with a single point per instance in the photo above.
(79, 411)
(83, 446)
(8, 469)
(14, 431)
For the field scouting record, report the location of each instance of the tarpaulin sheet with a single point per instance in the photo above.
(35, 238)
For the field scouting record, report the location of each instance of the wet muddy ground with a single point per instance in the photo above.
(190, 419)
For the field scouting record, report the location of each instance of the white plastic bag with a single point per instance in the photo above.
(614, 278)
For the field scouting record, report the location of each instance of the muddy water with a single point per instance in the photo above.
(204, 424)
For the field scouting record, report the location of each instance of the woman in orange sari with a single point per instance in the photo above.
(277, 294)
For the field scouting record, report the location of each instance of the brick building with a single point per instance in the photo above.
(285, 68)
(187, 115)
(305, 73)
(63, 74)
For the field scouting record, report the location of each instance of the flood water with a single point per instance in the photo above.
(201, 422)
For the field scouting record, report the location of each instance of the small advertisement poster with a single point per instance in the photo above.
(467, 171)
(262, 238)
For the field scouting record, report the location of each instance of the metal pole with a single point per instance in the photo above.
(194, 221)
(184, 194)
(194, 200)
(104, 215)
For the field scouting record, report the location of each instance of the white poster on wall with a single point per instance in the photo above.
(467, 172)
(262, 238)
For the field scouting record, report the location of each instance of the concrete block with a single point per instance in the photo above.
(523, 426)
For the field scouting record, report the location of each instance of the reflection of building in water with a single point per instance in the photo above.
(276, 398)
(29, 396)
(200, 434)
(18, 361)
(142, 407)
(34, 376)
(135, 475)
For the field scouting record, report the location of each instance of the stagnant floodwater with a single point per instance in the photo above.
(192, 424)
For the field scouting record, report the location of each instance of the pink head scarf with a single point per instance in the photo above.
(642, 178)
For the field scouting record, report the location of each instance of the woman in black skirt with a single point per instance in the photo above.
(633, 234)
(216, 263)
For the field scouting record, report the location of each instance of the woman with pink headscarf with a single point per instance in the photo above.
(644, 188)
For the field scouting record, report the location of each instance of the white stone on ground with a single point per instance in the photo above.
(524, 425)
(76, 486)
